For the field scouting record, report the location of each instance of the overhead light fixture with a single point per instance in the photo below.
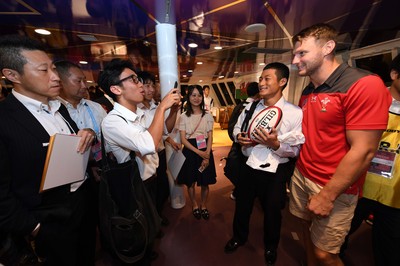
(218, 47)
(256, 27)
(87, 37)
(236, 72)
(199, 63)
(200, 80)
(190, 70)
(89, 81)
(261, 64)
(42, 31)
(146, 43)
(193, 45)
(83, 62)
(221, 77)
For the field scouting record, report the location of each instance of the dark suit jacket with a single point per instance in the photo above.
(22, 158)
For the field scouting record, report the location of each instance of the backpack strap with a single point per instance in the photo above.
(249, 114)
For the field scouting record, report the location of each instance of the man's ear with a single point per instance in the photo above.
(116, 90)
(282, 82)
(329, 46)
(11, 75)
(394, 74)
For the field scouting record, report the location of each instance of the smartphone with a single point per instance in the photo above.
(201, 169)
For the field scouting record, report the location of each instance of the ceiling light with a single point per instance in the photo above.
(199, 63)
(192, 45)
(200, 80)
(218, 47)
(89, 81)
(221, 77)
(87, 37)
(256, 27)
(83, 62)
(146, 43)
(261, 64)
(190, 71)
(43, 31)
(236, 72)
(184, 75)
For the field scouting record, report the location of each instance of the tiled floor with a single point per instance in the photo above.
(188, 241)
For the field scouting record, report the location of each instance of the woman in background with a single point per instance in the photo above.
(196, 128)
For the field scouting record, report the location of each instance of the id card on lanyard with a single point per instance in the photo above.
(96, 147)
(383, 163)
(201, 142)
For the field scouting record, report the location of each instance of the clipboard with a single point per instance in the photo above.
(64, 165)
(175, 163)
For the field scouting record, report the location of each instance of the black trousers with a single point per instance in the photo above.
(385, 231)
(270, 188)
(71, 241)
(162, 182)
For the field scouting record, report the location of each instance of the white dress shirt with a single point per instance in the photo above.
(208, 103)
(289, 134)
(149, 116)
(47, 115)
(82, 114)
(123, 136)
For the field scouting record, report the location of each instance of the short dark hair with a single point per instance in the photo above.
(110, 75)
(252, 89)
(11, 48)
(396, 64)
(281, 71)
(146, 76)
(63, 67)
(320, 31)
(206, 86)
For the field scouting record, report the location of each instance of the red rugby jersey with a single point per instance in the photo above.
(350, 99)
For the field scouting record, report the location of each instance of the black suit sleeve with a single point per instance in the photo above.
(13, 217)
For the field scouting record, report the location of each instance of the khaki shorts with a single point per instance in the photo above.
(326, 233)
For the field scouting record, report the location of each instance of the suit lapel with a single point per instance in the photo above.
(22, 116)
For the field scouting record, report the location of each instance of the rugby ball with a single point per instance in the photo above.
(268, 118)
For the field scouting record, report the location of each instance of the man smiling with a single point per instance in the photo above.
(264, 172)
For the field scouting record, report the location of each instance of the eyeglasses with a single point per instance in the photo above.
(132, 78)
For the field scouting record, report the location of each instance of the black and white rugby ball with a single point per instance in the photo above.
(268, 118)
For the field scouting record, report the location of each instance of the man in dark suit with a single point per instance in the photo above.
(49, 221)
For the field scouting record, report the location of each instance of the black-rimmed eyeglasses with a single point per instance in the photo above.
(133, 78)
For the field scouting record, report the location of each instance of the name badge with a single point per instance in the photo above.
(96, 151)
(383, 163)
(201, 142)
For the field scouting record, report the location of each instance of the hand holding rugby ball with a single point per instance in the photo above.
(268, 118)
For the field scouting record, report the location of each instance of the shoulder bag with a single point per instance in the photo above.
(234, 159)
(128, 219)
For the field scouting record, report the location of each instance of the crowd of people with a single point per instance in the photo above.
(323, 148)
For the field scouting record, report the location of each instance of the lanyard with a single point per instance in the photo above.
(95, 126)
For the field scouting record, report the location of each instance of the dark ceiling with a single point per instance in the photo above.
(126, 28)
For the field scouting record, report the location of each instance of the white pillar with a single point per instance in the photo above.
(167, 56)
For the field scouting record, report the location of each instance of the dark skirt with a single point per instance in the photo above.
(189, 172)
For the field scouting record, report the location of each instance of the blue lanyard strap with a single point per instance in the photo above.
(96, 127)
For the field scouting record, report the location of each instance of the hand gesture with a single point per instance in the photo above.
(266, 138)
(243, 139)
(171, 99)
(319, 206)
(87, 136)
